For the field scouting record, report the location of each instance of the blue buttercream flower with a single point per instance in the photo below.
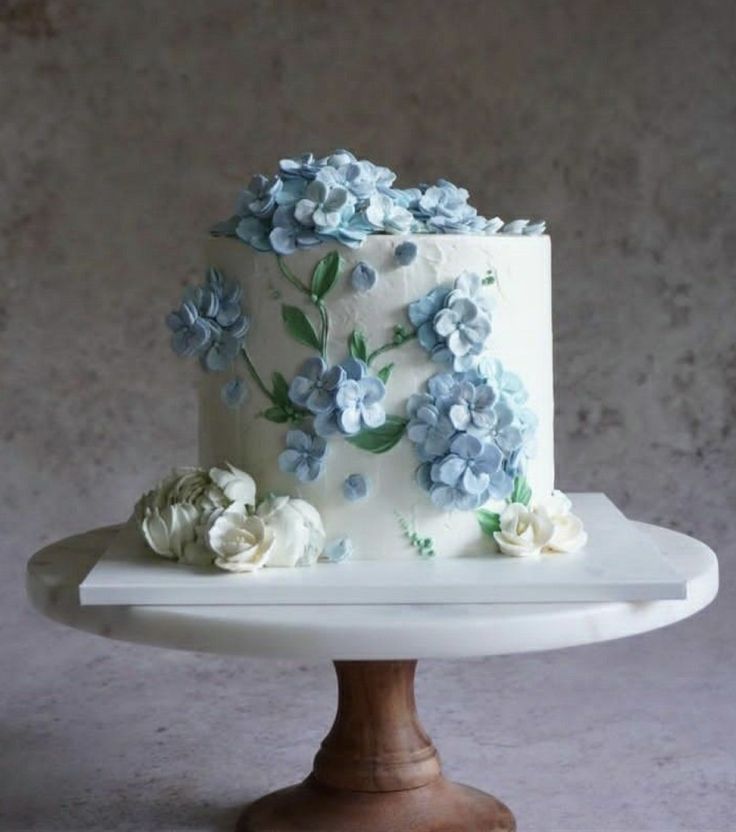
(463, 478)
(429, 428)
(363, 277)
(356, 198)
(473, 406)
(210, 323)
(337, 159)
(253, 231)
(288, 235)
(327, 422)
(262, 194)
(528, 228)
(338, 550)
(315, 386)
(471, 437)
(405, 253)
(383, 214)
(301, 167)
(190, 333)
(304, 455)
(444, 209)
(463, 326)
(355, 487)
(421, 314)
(234, 393)
(453, 325)
(358, 404)
(325, 206)
(364, 178)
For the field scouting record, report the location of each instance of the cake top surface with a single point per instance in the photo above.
(340, 199)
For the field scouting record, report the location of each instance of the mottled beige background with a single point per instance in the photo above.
(126, 128)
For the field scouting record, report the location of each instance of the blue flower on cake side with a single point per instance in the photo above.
(363, 277)
(355, 487)
(472, 436)
(315, 386)
(467, 476)
(453, 325)
(210, 323)
(344, 399)
(304, 455)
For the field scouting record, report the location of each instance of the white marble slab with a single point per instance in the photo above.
(618, 564)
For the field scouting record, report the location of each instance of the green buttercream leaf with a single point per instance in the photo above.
(357, 346)
(300, 327)
(325, 274)
(276, 414)
(522, 493)
(280, 388)
(385, 372)
(489, 521)
(380, 440)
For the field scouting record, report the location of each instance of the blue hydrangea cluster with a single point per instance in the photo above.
(344, 398)
(472, 432)
(210, 323)
(454, 323)
(304, 456)
(343, 199)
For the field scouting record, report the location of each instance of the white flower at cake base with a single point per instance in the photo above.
(241, 542)
(236, 485)
(193, 486)
(545, 527)
(524, 531)
(170, 530)
(569, 534)
(299, 536)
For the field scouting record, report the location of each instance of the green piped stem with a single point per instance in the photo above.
(321, 308)
(392, 345)
(256, 376)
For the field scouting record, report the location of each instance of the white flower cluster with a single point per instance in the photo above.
(545, 527)
(202, 517)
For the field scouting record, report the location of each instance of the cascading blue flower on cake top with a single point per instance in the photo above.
(339, 198)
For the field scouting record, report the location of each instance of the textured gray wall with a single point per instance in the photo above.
(127, 128)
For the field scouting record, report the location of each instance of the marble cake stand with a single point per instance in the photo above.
(377, 770)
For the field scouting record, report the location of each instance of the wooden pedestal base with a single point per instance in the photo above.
(377, 770)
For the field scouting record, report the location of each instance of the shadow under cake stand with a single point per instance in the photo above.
(377, 770)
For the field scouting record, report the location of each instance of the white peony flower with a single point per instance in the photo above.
(241, 542)
(170, 530)
(237, 486)
(569, 534)
(184, 485)
(299, 536)
(524, 531)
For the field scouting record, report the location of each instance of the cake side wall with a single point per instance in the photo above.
(521, 338)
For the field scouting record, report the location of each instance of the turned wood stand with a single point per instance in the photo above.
(377, 770)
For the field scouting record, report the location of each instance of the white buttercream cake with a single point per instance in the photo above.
(520, 338)
(377, 379)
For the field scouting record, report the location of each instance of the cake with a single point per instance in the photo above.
(378, 379)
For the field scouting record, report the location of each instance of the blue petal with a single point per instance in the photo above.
(339, 550)
(355, 487)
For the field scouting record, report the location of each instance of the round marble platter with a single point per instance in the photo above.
(369, 632)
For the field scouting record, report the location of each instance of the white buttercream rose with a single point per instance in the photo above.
(299, 536)
(524, 531)
(237, 486)
(171, 529)
(569, 534)
(241, 542)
